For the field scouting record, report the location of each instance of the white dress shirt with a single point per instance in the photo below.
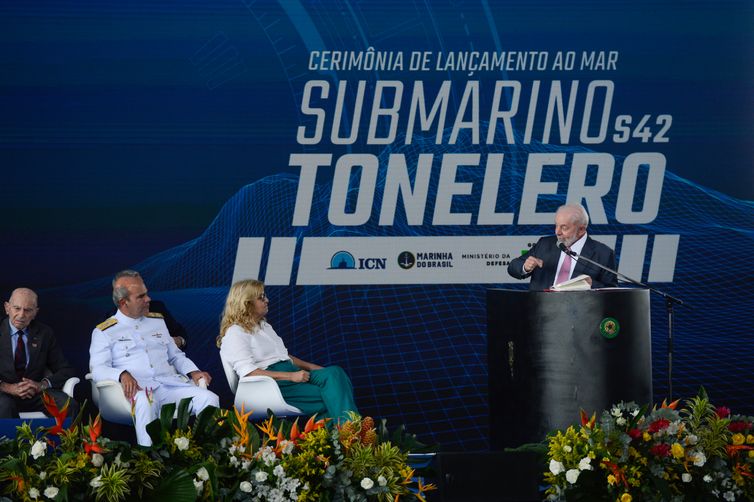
(250, 351)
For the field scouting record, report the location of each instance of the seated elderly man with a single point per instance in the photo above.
(135, 348)
(31, 360)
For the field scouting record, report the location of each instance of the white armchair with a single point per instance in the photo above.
(257, 394)
(108, 397)
(68, 387)
(112, 403)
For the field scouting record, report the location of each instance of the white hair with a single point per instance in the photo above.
(580, 215)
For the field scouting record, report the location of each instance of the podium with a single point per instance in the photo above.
(551, 354)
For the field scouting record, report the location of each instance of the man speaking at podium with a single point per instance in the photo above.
(547, 264)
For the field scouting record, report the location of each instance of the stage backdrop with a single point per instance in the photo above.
(378, 164)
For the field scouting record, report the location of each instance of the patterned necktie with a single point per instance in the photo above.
(565, 270)
(20, 357)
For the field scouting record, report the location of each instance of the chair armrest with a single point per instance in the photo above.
(256, 378)
(112, 403)
(108, 383)
(69, 385)
(260, 393)
(109, 398)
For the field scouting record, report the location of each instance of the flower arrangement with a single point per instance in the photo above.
(698, 452)
(221, 456)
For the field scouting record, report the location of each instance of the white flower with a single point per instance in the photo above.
(268, 456)
(38, 449)
(233, 460)
(707, 478)
(245, 465)
(287, 447)
(585, 464)
(182, 443)
(686, 477)
(97, 460)
(367, 483)
(117, 461)
(260, 476)
(33, 493)
(245, 487)
(381, 481)
(51, 492)
(567, 449)
(278, 471)
(572, 475)
(615, 412)
(199, 485)
(692, 439)
(699, 459)
(634, 412)
(96, 482)
(275, 495)
(729, 496)
(232, 449)
(202, 474)
(42, 475)
(556, 467)
(620, 421)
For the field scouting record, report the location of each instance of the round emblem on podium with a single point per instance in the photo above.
(609, 327)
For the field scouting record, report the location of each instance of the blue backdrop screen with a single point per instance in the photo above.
(378, 164)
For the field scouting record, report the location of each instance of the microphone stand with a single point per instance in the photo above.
(670, 301)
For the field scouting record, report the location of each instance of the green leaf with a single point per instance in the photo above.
(213, 482)
(12, 465)
(184, 413)
(178, 486)
(80, 417)
(166, 416)
(256, 440)
(205, 423)
(154, 429)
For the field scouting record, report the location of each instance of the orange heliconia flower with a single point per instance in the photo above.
(95, 429)
(672, 405)
(58, 414)
(586, 421)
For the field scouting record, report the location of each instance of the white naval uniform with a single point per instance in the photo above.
(145, 349)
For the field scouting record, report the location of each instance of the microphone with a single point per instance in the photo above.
(567, 251)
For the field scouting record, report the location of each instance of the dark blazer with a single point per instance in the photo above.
(546, 249)
(44, 354)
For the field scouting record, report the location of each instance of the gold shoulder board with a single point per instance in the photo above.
(156, 315)
(106, 324)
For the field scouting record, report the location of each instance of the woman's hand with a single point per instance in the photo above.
(300, 376)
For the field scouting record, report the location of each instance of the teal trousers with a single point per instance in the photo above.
(328, 393)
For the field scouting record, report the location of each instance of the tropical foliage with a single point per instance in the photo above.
(697, 452)
(221, 456)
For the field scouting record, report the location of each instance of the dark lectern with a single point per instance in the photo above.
(551, 354)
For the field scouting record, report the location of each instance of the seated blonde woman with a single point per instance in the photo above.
(249, 343)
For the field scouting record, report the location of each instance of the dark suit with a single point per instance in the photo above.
(45, 356)
(546, 249)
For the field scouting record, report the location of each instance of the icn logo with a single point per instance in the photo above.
(342, 260)
(406, 260)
